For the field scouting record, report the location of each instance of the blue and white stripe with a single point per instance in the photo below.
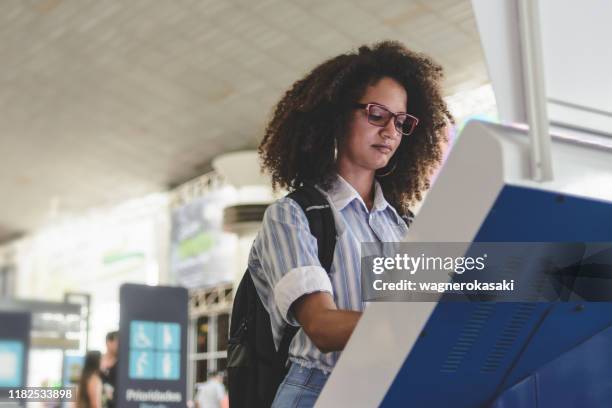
(285, 266)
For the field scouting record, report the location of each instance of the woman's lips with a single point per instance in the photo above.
(382, 148)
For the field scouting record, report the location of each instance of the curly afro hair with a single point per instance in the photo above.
(299, 141)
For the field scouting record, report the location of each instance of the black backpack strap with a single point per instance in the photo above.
(323, 228)
(321, 221)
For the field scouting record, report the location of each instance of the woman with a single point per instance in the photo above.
(367, 129)
(89, 392)
(108, 369)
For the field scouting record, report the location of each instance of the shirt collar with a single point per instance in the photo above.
(380, 204)
(342, 193)
(379, 199)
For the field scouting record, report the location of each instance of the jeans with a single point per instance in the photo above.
(300, 388)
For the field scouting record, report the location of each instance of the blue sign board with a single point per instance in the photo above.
(153, 340)
(155, 350)
(14, 347)
(73, 365)
(11, 363)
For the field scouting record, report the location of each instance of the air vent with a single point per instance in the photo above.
(507, 337)
(243, 217)
(466, 339)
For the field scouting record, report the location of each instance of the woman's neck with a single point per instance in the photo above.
(362, 181)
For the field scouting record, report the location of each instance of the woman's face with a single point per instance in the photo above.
(367, 146)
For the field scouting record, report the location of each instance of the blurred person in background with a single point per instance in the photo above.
(211, 394)
(89, 391)
(108, 368)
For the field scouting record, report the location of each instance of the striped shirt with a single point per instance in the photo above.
(284, 264)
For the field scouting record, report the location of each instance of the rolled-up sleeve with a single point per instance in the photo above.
(287, 254)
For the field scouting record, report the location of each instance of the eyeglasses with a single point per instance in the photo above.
(380, 116)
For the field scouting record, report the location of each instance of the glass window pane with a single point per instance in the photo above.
(222, 331)
(202, 335)
(201, 370)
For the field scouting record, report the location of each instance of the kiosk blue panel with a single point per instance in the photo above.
(469, 353)
(579, 377)
(464, 347)
(566, 325)
(522, 214)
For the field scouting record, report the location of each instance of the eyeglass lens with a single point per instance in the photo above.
(379, 116)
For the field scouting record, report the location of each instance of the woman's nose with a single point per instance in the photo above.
(389, 130)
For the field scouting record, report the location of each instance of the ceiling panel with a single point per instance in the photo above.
(104, 101)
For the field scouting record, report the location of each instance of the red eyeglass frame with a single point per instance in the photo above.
(366, 107)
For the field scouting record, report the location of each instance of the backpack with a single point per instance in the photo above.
(255, 368)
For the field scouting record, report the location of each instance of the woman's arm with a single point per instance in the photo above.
(301, 288)
(327, 327)
(94, 389)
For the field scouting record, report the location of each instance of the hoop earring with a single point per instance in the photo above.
(335, 149)
(389, 172)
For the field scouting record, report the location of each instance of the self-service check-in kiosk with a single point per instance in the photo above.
(513, 354)
(472, 354)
